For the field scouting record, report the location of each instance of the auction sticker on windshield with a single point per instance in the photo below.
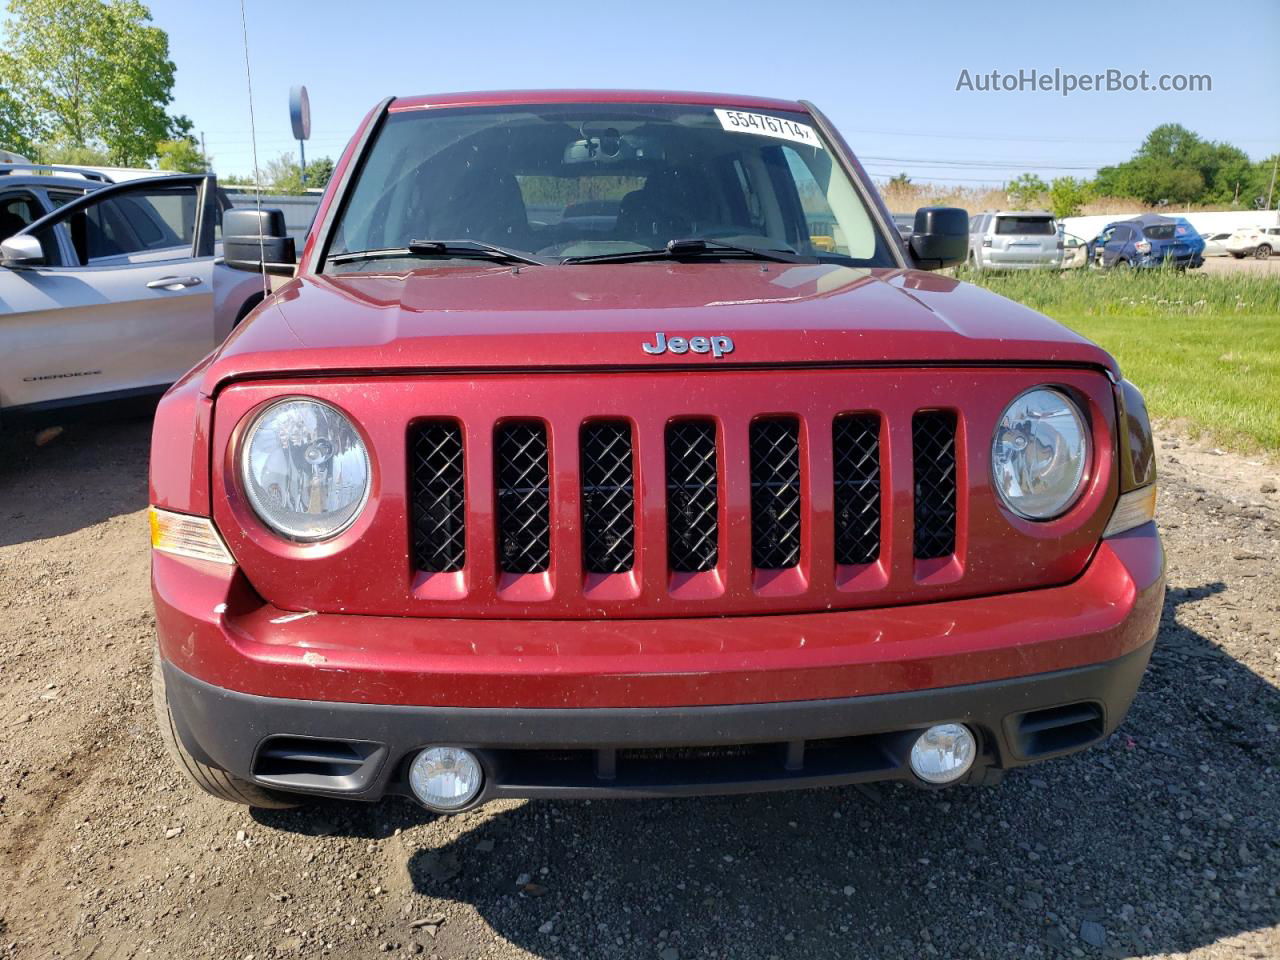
(738, 121)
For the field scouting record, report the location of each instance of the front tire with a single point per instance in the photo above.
(1263, 252)
(215, 782)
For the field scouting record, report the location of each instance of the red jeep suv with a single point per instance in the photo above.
(617, 444)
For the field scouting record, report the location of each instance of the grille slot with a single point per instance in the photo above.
(524, 497)
(608, 498)
(933, 437)
(855, 444)
(775, 493)
(693, 498)
(437, 512)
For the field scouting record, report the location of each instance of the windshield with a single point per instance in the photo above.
(1159, 231)
(576, 180)
(1025, 226)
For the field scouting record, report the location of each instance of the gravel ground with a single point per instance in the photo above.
(1162, 842)
(1248, 265)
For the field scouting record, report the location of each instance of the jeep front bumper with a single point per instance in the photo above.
(339, 704)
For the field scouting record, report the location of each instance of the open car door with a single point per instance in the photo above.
(121, 302)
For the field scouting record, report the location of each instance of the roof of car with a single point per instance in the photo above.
(502, 97)
(1151, 219)
(1021, 213)
(39, 180)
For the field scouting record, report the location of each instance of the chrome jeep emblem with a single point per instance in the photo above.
(716, 346)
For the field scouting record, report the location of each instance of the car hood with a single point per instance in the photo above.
(598, 316)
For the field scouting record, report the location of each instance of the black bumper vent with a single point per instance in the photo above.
(437, 507)
(855, 444)
(1069, 727)
(933, 436)
(307, 763)
(775, 493)
(524, 497)
(608, 498)
(693, 501)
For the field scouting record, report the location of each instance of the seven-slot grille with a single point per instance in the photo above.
(607, 478)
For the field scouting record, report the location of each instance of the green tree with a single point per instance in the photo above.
(73, 156)
(94, 73)
(17, 122)
(319, 172)
(1176, 165)
(1263, 185)
(1067, 195)
(181, 155)
(283, 175)
(899, 180)
(1025, 190)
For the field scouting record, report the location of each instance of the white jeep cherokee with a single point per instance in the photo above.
(108, 291)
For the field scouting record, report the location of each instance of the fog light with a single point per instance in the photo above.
(943, 753)
(445, 778)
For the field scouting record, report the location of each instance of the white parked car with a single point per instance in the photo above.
(108, 292)
(1260, 242)
(1214, 243)
(1014, 240)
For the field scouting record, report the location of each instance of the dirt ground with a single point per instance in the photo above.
(1162, 842)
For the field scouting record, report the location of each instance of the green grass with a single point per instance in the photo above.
(1204, 349)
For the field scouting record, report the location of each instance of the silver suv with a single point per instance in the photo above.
(108, 291)
(1014, 240)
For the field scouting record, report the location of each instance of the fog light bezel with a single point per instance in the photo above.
(956, 777)
(445, 807)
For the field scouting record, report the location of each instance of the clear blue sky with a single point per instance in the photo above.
(886, 73)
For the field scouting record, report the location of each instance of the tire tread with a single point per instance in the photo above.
(215, 782)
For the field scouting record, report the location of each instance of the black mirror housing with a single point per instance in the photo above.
(256, 240)
(940, 237)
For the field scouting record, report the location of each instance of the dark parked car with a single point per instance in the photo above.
(1148, 241)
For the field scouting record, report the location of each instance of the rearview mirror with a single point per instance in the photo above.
(256, 240)
(21, 251)
(940, 237)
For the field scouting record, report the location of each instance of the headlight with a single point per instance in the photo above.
(305, 469)
(1038, 454)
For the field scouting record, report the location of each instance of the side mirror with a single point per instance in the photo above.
(255, 240)
(940, 237)
(21, 251)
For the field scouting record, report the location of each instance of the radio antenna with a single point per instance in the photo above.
(253, 140)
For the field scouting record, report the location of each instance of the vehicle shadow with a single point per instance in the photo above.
(1160, 840)
(91, 472)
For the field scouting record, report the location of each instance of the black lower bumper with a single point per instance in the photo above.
(362, 751)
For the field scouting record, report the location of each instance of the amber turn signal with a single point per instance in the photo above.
(186, 536)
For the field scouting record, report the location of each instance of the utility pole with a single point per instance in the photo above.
(204, 157)
(1274, 164)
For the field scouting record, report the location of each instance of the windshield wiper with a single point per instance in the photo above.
(691, 249)
(442, 250)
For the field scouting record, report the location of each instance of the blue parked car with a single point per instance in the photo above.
(1148, 241)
